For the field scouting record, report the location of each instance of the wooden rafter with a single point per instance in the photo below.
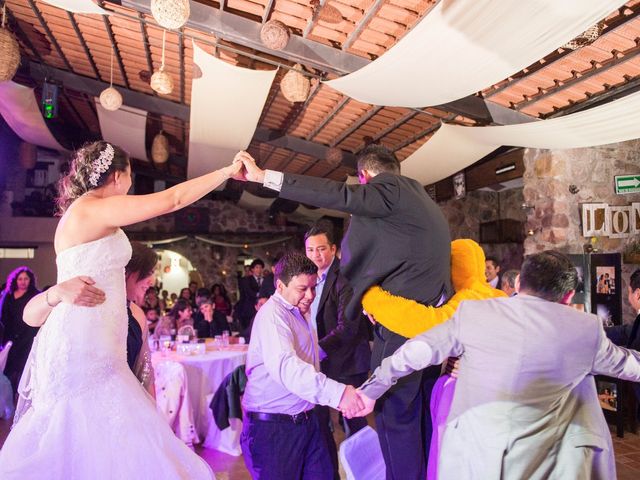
(339, 106)
(615, 24)
(50, 35)
(85, 47)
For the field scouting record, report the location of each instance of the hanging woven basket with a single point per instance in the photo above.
(28, 154)
(160, 148)
(111, 99)
(587, 37)
(295, 86)
(170, 14)
(274, 35)
(162, 82)
(334, 156)
(9, 55)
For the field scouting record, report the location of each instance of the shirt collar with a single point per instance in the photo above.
(280, 299)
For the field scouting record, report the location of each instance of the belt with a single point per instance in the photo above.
(281, 417)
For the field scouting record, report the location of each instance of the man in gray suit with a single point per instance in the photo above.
(525, 404)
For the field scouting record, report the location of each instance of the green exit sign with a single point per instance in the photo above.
(627, 184)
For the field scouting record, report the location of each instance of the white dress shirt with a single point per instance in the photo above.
(283, 363)
(273, 180)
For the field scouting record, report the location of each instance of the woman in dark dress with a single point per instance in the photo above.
(139, 274)
(21, 287)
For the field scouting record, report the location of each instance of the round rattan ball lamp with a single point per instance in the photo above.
(161, 81)
(295, 86)
(274, 34)
(9, 53)
(170, 14)
(160, 148)
(111, 99)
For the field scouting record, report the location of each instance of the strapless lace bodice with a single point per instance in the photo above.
(79, 346)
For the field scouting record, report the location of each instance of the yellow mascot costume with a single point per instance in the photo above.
(410, 318)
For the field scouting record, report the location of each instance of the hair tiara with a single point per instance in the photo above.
(101, 164)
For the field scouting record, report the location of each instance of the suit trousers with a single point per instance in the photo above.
(353, 424)
(403, 417)
(274, 450)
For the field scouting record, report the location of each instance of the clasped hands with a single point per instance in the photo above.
(355, 403)
(244, 169)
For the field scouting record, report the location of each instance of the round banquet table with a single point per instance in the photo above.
(205, 373)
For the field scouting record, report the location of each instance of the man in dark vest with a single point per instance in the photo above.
(398, 239)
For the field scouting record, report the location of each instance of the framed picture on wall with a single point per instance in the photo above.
(606, 286)
(607, 395)
(581, 300)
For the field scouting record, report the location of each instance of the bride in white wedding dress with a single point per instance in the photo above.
(89, 418)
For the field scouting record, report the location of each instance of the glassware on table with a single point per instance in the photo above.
(225, 338)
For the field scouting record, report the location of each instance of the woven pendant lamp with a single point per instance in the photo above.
(171, 14)
(110, 98)
(9, 51)
(160, 148)
(161, 81)
(274, 34)
(294, 85)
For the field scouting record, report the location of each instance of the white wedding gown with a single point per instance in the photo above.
(89, 417)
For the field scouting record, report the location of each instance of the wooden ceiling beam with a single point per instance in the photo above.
(615, 24)
(327, 59)
(50, 36)
(161, 106)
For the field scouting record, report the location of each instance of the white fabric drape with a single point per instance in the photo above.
(226, 103)
(126, 127)
(78, 6)
(453, 148)
(464, 46)
(19, 108)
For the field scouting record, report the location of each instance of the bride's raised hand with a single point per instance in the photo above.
(236, 170)
(252, 172)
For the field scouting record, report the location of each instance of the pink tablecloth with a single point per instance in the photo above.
(204, 374)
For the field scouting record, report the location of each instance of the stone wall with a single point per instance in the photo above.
(229, 223)
(465, 216)
(556, 182)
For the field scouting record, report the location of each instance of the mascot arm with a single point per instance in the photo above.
(403, 316)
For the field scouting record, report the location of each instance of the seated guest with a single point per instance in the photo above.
(181, 314)
(508, 282)
(202, 295)
(185, 294)
(221, 299)
(20, 288)
(151, 299)
(152, 318)
(208, 322)
(281, 437)
(525, 386)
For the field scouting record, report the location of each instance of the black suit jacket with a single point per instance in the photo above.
(397, 238)
(344, 339)
(245, 308)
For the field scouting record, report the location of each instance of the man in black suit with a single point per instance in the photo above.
(398, 239)
(343, 340)
(249, 288)
(628, 335)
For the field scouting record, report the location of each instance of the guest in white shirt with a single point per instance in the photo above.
(281, 437)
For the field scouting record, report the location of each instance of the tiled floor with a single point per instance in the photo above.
(227, 467)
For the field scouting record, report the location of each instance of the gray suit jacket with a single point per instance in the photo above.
(525, 404)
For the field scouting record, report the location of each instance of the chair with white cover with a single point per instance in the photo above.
(172, 400)
(361, 456)
(7, 406)
(4, 354)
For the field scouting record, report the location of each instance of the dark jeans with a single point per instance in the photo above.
(275, 450)
(403, 417)
(352, 424)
